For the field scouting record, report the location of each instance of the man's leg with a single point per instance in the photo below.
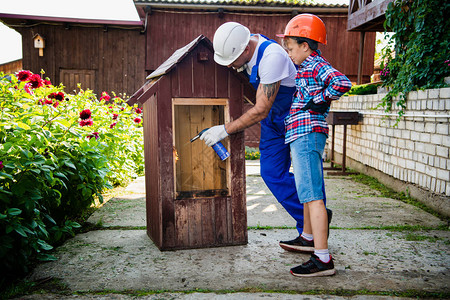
(275, 164)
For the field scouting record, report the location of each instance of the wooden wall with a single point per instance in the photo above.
(170, 30)
(102, 60)
(11, 67)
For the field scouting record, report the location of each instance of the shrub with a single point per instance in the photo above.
(252, 153)
(363, 89)
(58, 153)
(421, 44)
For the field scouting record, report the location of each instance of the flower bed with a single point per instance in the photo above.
(58, 153)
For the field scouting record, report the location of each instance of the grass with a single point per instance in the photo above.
(390, 193)
(55, 287)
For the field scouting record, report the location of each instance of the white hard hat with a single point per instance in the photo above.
(229, 42)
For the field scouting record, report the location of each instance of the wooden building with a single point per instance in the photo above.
(108, 55)
(194, 199)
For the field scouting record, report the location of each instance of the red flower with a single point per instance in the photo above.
(105, 97)
(87, 122)
(137, 120)
(138, 110)
(115, 116)
(112, 125)
(55, 105)
(23, 75)
(41, 101)
(36, 81)
(85, 114)
(1, 165)
(94, 134)
(58, 96)
(47, 82)
(48, 101)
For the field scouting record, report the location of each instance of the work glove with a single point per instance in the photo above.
(214, 135)
(318, 108)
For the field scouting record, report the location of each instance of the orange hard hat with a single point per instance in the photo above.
(306, 26)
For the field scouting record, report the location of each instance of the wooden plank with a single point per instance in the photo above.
(182, 224)
(195, 223)
(152, 186)
(197, 147)
(221, 222)
(166, 171)
(208, 222)
(182, 130)
(200, 101)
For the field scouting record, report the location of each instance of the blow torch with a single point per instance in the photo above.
(218, 147)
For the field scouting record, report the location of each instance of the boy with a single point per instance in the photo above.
(318, 83)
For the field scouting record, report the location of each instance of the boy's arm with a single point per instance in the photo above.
(336, 84)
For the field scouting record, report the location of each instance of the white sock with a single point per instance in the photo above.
(323, 255)
(307, 236)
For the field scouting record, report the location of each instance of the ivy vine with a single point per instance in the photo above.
(418, 53)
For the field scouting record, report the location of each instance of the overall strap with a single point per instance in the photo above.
(254, 78)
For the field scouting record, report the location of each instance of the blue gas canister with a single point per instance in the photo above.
(218, 147)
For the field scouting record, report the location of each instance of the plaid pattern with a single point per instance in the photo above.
(318, 80)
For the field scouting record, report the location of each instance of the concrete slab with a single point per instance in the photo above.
(354, 205)
(374, 260)
(366, 260)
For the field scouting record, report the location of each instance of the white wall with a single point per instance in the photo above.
(416, 151)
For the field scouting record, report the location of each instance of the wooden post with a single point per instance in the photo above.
(361, 55)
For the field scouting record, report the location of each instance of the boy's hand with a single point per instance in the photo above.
(318, 108)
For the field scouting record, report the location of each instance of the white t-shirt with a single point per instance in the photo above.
(275, 65)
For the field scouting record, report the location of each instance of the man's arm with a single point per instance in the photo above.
(265, 96)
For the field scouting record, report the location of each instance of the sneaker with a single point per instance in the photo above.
(298, 245)
(314, 267)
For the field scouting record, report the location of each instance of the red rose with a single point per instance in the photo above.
(87, 122)
(94, 134)
(23, 75)
(85, 114)
(36, 81)
(105, 97)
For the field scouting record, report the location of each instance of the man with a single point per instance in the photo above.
(272, 73)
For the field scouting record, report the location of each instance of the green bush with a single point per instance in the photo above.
(252, 153)
(363, 89)
(421, 42)
(58, 153)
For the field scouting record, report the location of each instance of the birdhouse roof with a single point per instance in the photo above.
(178, 56)
(142, 94)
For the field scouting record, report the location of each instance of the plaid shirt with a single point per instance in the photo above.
(318, 80)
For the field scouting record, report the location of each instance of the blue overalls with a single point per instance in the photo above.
(275, 154)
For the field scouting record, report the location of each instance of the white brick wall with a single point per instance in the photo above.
(415, 151)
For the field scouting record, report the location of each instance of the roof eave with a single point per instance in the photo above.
(72, 20)
(306, 9)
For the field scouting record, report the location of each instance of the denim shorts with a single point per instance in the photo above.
(306, 152)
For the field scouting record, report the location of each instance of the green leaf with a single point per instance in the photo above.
(23, 126)
(14, 211)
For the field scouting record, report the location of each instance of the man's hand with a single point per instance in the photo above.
(214, 134)
(318, 108)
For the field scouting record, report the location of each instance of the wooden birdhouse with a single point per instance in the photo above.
(194, 199)
(39, 43)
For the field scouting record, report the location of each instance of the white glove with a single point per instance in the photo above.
(213, 135)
